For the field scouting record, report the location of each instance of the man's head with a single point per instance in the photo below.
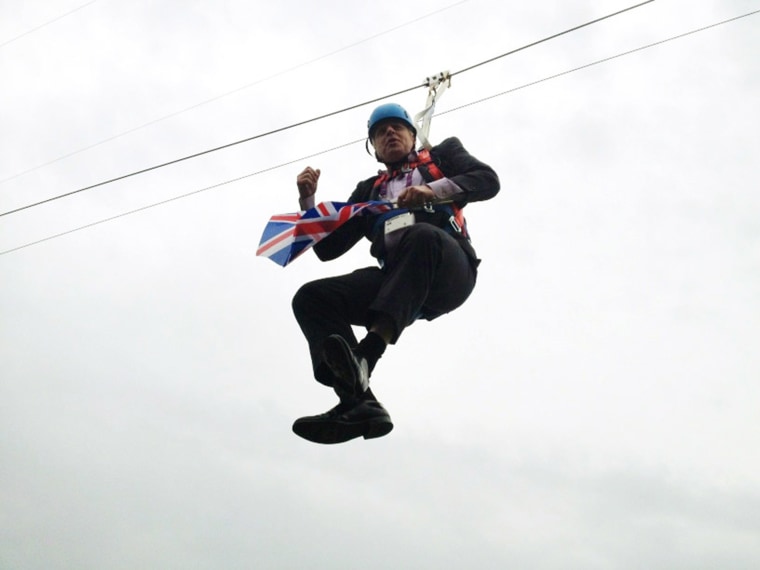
(392, 133)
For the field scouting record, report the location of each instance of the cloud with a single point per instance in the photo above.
(591, 406)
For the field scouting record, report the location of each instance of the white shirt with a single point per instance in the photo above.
(442, 188)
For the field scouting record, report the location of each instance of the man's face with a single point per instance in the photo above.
(393, 141)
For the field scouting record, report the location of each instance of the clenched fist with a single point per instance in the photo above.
(307, 182)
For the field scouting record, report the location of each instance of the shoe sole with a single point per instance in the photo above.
(329, 432)
(338, 356)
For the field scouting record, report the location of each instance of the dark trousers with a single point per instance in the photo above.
(426, 274)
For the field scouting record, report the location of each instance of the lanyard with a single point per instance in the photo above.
(384, 185)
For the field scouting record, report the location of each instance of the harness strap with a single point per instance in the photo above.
(430, 171)
(436, 86)
(424, 163)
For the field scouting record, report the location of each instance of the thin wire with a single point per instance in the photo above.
(2, 45)
(174, 199)
(600, 61)
(209, 151)
(576, 28)
(281, 129)
(607, 59)
(227, 94)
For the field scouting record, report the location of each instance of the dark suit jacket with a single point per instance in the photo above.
(477, 180)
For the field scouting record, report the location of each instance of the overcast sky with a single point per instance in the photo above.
(592, 406)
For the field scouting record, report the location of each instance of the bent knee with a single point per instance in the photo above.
(305, 297)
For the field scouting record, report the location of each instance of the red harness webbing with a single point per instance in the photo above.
(426, 161)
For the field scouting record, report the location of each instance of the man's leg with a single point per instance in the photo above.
(427, 274)
(329, 307)
(325, 310)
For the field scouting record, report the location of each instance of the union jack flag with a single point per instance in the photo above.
(286, 236)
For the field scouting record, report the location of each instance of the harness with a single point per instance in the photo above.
(430, 171)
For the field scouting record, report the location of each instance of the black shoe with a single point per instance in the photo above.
(346, 421)
(351, 372)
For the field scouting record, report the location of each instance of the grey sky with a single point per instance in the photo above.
(592, 406)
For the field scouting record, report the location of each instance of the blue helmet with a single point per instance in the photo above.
(389, 111)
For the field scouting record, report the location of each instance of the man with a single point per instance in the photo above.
(427, 268)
